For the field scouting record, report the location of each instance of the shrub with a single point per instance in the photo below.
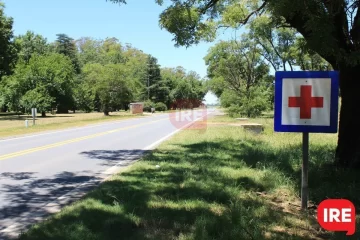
(160, 106)
(148, 105)
(249, 104)
(229, 97)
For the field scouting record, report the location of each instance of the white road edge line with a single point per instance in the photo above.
(53, 207)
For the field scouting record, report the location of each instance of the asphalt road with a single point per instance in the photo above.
(41, 173)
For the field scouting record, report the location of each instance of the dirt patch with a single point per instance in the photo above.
(228, 124)
(298, 223)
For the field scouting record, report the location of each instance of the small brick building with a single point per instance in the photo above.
(137, 108)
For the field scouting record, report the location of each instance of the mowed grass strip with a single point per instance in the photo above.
(222, 183)
(14, 125)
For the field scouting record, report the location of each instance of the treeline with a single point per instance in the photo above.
(85, 74)
(239, 69)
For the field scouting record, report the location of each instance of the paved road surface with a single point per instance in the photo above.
(41, 173)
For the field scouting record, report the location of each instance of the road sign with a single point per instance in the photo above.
(33, 112)
(306, 101)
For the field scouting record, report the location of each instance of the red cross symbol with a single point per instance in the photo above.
(306, 102)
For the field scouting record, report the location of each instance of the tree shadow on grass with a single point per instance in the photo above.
(325, 180)
(188, 197)
(135, 207)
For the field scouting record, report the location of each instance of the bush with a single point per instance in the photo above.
(250, 104)
(234, 111)
(148, 105)
(229, 97)
(160, 106)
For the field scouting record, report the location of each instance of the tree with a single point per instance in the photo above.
(330, 28)
(238, 63)
(7, 46)
(89, 50)
(45, 82)
(154, 86)
(66, 45)
(169, 80)
(83, 94)
(30, 44)
(276, 43)
(110, 84)
(240, 70)
(308, 59)
(189, 90)
(136, 65)
(112, 51)
(8, 55)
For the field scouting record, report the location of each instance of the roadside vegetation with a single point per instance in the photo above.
(14, 125)
(222, 183)
(85, 74)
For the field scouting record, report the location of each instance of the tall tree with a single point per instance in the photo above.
(89, 50)
(137, 71)
(109, 84)
(242, 74)
(169, 79)
(30, 44)
(307, 59)
(104, 52)
(112, 51)
(239, 64)
(66, 45)
(331, 29)
(45, 82)
(153, 80)
(275, 42)
(7, 46)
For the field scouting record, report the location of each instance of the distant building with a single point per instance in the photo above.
(137, 108)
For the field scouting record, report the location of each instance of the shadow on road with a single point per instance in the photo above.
(114, 157)
(25, 196)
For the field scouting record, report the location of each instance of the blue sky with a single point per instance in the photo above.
(135, 23)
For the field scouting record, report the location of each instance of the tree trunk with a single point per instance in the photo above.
(4, 108)
(43, 114)
(348, 149)
(106, 110)
(62, 109)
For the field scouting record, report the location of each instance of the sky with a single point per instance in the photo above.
(136, 23)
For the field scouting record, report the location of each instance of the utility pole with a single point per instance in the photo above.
(148, 79)
(148, 86)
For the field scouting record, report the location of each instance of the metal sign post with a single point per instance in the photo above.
(306, 101)
(34, 113)
(305, 171)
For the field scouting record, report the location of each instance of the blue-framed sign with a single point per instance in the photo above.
(306, 101)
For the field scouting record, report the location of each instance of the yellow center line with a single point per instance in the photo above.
(36, 149)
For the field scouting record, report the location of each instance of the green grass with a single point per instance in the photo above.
(14, 125)
(220, 184)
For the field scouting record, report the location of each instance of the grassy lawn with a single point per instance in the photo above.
(220, 184)
(12, 125)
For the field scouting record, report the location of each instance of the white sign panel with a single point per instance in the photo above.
(306, 101)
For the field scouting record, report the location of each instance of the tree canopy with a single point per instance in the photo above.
(331, 30)
(7, 49)
(85, 74)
